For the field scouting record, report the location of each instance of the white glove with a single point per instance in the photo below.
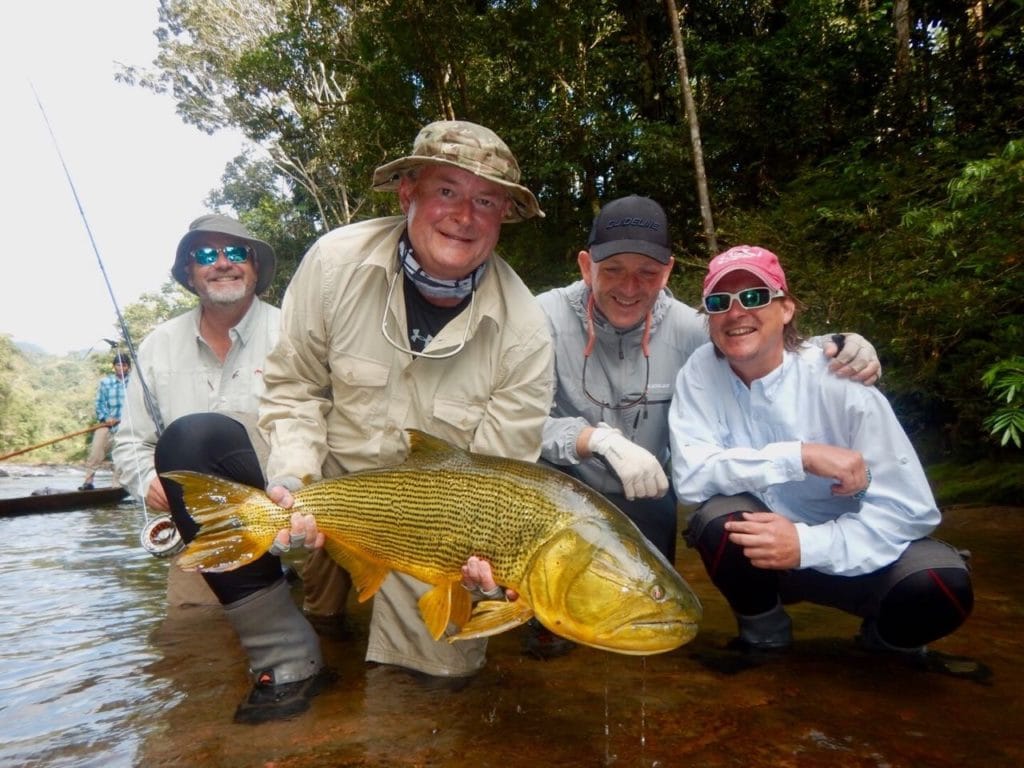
(858, 355)
(290, 482)
(640, 473)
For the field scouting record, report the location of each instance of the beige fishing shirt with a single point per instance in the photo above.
(185, 376)
(339, 396)
(338, 392)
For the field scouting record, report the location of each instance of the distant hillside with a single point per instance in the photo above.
(29, 350)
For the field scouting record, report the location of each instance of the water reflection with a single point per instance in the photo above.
(78, 599)
(95, 672)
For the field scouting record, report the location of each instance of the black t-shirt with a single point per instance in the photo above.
(425, 319)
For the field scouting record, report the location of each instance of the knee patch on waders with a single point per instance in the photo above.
(931, 595)
(749, 590)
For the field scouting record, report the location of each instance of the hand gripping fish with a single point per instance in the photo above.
(579, 565)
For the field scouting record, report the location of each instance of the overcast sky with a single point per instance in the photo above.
(141, 173)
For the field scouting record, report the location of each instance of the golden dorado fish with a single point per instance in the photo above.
(579, 565)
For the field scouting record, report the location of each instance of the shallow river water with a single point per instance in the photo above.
(94, 672)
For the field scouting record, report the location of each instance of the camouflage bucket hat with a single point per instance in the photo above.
(470, 147)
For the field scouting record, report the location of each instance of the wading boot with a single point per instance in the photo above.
(768, 632)
(922, 657)
(284, 655)
(762, 637)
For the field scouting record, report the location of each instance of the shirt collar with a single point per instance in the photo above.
(243, 330)
(768, 385)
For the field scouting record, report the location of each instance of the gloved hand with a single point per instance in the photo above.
(855, 357)
(639, 471)
(281, 488)
(290, 482)
(303, 534)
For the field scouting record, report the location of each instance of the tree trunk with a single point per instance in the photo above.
(691, 118)
(901, 68)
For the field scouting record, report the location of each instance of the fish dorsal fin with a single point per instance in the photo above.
(447, 602)
(366, 576)
(422, 443)
(492, 617)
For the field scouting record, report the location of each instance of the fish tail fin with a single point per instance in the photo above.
(233, 530)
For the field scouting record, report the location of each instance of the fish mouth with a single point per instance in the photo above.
(661, 627)
(669, 623)
(643, 637)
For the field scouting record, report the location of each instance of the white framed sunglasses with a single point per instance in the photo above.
(749, 298)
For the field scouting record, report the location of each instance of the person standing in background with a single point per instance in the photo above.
(110, 397)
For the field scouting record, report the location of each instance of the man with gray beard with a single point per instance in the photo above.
(207, 359)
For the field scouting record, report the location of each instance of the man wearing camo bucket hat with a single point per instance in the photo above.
(399, 322)
(468, 147)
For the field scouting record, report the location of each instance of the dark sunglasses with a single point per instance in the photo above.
(751, 298)
(236, 254)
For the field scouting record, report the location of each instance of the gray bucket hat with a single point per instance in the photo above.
(266, 261)
(470, 147)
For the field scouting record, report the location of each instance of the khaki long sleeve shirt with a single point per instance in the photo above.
(339, 396)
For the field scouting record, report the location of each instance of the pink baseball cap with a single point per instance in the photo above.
(759, 262)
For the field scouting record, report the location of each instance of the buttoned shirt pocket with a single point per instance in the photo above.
(358, 384)
(461, 417)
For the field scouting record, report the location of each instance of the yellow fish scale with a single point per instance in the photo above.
(428, 519)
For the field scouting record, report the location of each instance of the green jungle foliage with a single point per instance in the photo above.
(151, 309)
(881, 155)
(43, 397)
(1005, 382)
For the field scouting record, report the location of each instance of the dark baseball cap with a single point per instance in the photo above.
(631, 224)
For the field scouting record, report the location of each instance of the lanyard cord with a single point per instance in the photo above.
(645, 347)
(645, 340)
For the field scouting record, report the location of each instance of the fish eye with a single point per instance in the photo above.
(657, 593)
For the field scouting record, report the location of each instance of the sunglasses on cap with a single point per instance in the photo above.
(750, 298)
(236, 254)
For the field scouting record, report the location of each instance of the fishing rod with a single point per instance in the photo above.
(159, 536)
(76, 433)
(147, 396)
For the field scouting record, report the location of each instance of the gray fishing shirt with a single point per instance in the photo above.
(615, 373)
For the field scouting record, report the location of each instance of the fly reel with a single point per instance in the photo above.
(160, 537)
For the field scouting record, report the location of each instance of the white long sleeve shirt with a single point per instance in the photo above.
(727, 439)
